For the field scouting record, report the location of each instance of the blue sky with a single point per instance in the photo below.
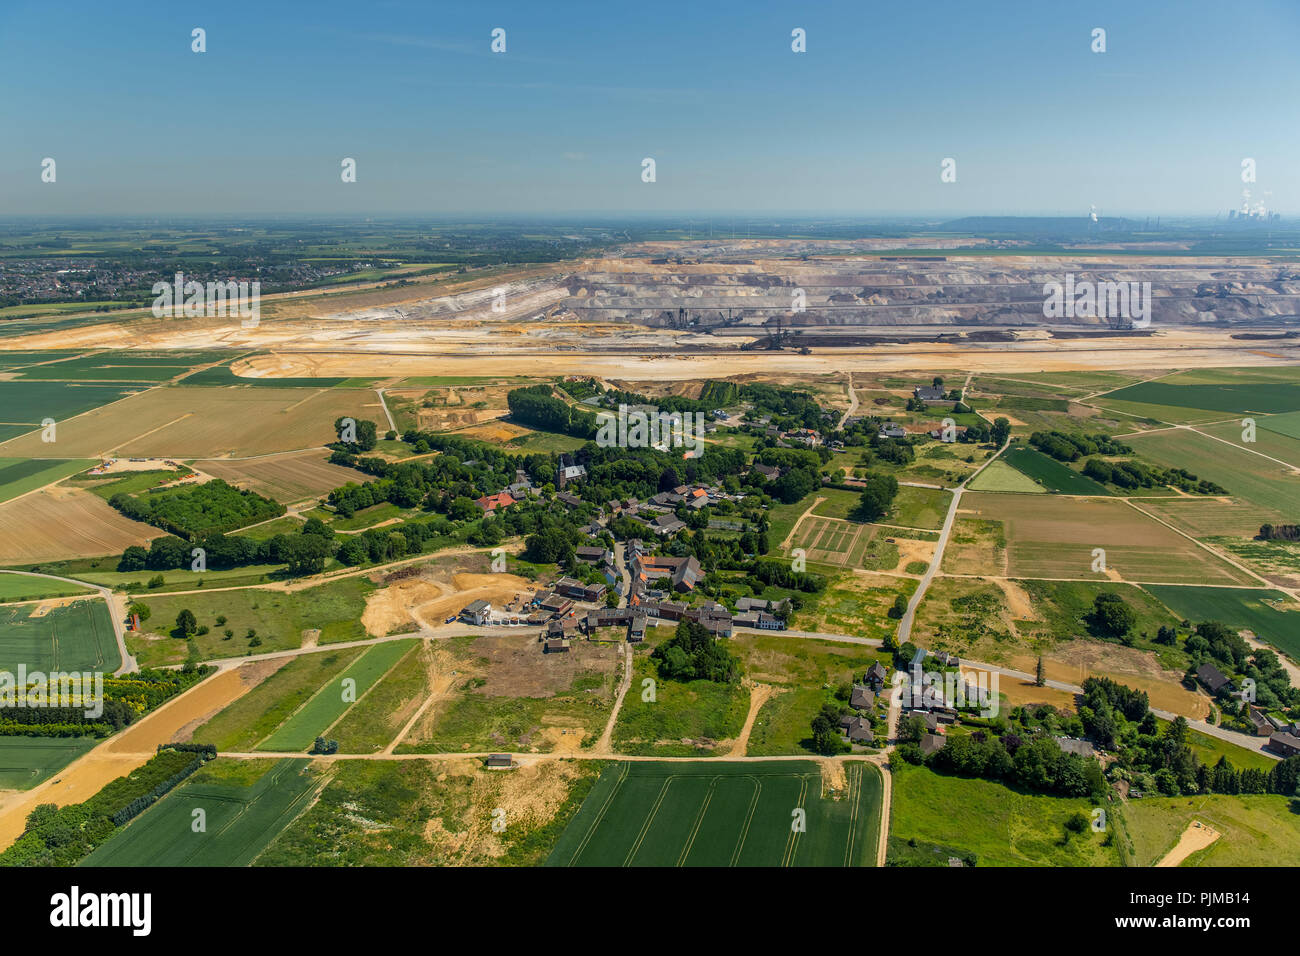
(736, 122)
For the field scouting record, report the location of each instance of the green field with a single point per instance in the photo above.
(700, 712)
(1238, 608)
(919, 508)
(999, 476)
(253, 716)
(241, 817)
(724, 814)
(277, 617)
(77, 637)
(1235, 398)
(1052, 474)
(33, 402)
(21, 475)
(27, 761)
(1247, 476)
(1255, 829)
(222, 375)
(328, 704)
(1287, 424)
(1000, 826)
(21, 587)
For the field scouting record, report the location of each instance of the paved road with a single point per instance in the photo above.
(853, 404)
(905, 625)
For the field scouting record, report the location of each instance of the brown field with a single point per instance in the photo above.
(1206, 517)
(1050, 536)
(477, 350)
(187, 422)
(1073, 661)
(1019, 693)
(62, 522)
(286, 478)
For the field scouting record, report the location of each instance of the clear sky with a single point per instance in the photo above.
(735, 121)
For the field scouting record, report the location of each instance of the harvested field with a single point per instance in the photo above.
(60, 522)
(285, 478)
(206, 423)
(1052, 537)
(1072, 662)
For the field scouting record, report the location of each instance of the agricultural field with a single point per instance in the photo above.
(919, 508)
(719, 814)
(1248, 477)
(1269, 614)
(21, 475)
(1206, 518)
(189, 423)
(30, 403)
(935, 816)
(27, 761)
(1265, 441)
(67, 635)
(846, 544)
(1255, 830)
(286, 478)
(59, 523)
(147, 367)
(503, 693)
(21, 587)
(1232, 398)
(278, 618)
(1051, 537)
(333, 700)
(376, 719)
(999, 476)
(1051, 474)
(245, 805)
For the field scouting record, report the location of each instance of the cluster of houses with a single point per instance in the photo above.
(1283, 735)
(808, 437)
(856, 726)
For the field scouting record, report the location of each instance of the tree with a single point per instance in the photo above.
(186, 625)
(1000, 431)
(1111, 615)
(141, 609)
(877, 498)
(1039, 678)
(826, 740)
(899, 607)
